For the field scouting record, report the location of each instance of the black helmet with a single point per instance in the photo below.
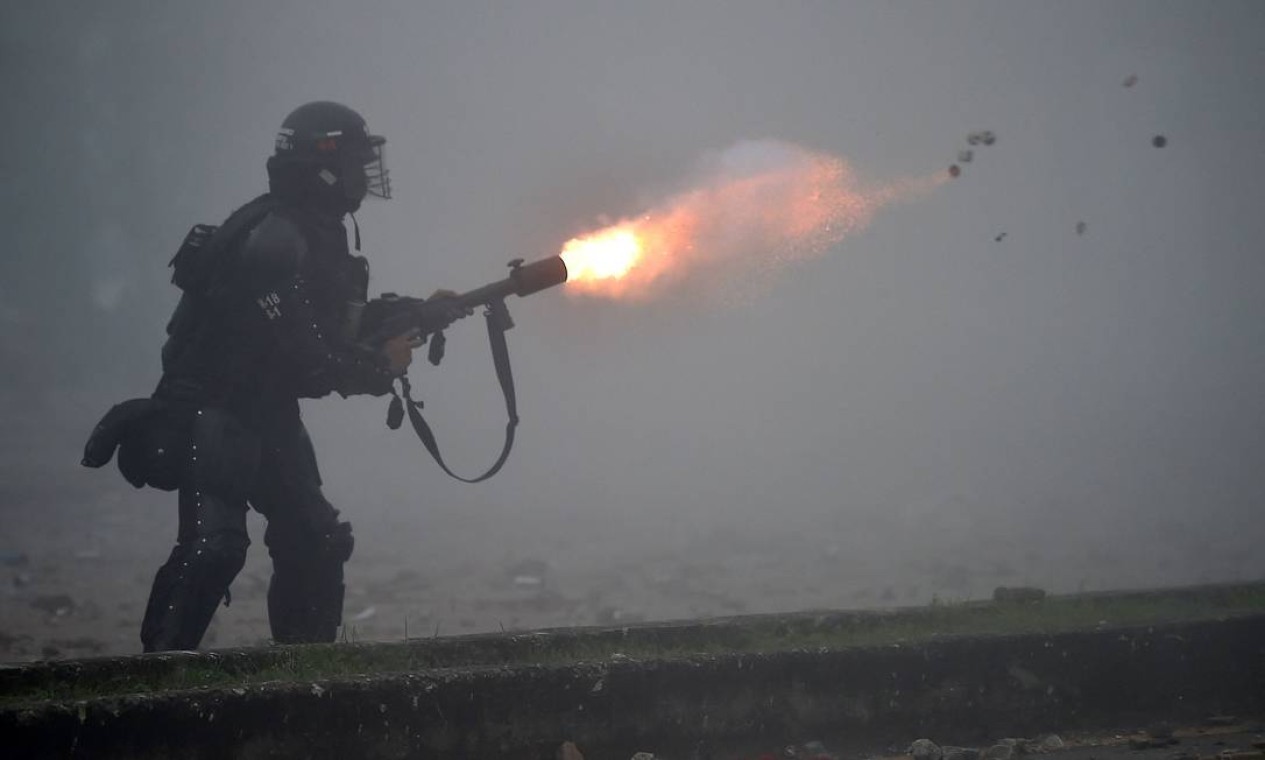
(326, 157)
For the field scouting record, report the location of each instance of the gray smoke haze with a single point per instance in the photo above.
(921, 401)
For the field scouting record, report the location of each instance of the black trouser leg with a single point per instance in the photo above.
(211, 542)
(210, 551)
(307, 542)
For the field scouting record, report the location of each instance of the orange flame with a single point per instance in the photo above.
(758, 206)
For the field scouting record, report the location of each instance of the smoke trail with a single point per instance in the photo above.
(748, 211)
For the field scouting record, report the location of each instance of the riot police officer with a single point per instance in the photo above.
(268, 316)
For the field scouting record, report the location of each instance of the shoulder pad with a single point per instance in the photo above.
(274, 250)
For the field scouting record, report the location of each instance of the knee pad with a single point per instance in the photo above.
(189, 587)
(222, 555)
(329, 541)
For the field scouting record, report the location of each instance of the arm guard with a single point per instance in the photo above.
(280, 284)
(322, 360)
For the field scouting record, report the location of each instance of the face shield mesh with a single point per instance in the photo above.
(376, 175)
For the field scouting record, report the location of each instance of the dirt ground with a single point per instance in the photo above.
(1223, 737)
(78, 550)
(76, 585)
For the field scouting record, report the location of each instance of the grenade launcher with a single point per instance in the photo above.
(391, 315)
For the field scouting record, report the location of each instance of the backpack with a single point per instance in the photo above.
(196, 267)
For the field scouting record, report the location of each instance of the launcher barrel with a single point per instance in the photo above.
(524, 280)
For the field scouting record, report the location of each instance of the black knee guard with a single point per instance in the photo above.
(212, 542)
(189, 587)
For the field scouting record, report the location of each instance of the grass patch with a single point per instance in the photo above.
(755, 634)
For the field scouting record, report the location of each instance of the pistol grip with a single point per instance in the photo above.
(435, 354)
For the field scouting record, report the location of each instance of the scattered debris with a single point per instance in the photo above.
(1150, 742)
(1018, 594)
(999, 752)
(568, 751)
(983, 137)
(364, 614)
(11, 558)
(924, 749)
(1130, 80)
(527, 574)
(1159, 141)
(1080, 228)
(54, 604)
(527, 581)
(813, 750)
(966, 155)
(1000, 237)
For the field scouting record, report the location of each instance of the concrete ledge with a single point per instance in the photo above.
(747, 633)
(958, 689)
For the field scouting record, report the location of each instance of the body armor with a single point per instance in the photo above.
(268, 315)
(268, 321)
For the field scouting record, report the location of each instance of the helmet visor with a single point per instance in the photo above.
(377, 178)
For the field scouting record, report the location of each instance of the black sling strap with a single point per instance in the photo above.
(498, 322)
